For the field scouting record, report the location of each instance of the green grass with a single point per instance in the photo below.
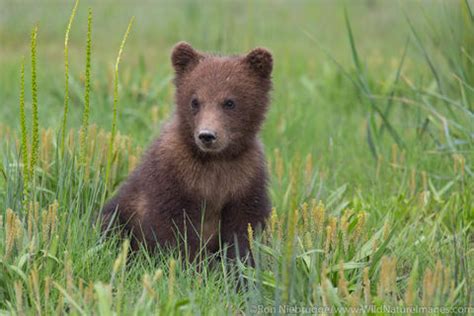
(370, 144)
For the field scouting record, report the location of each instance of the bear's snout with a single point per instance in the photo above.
(207, 137)
(208, 140)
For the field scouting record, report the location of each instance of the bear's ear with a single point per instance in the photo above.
(260, 60)
(184, 57)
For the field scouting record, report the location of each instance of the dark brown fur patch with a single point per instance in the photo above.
(184, 57)
(261, 61)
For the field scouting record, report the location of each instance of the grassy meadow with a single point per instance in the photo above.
(369, 141)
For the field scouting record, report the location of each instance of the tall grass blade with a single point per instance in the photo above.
(395, 82)
(115, 105)
(425, 54)
(377, 256)
(355, 55)
(370, 136)
(69, 299)
(467, 7)
(363, 86)
(357, 84)
(429, 61)
(66, 76)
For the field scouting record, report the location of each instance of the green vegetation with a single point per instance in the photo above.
(370, 143)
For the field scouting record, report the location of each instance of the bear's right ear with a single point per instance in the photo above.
(260, 60)
(184, 58)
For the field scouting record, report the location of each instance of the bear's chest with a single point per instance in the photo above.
(217, 183)
(214, 187)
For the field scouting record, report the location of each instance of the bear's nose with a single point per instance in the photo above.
(207, 137)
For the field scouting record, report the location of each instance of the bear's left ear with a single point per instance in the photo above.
(184, 58)
(260, 60)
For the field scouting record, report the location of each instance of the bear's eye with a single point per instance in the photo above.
(194, 104)
(229, 104)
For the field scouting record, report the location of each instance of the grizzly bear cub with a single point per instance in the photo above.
(204, 180)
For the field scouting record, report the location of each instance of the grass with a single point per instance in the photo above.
(66, 77)
(369, 142)
(87, 89)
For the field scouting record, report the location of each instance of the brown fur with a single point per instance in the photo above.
(193, 193)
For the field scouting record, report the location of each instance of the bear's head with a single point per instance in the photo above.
(221, 100)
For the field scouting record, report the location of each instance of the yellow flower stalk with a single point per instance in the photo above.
(385, 230)
(308, 240)
(379, 166)
(324, 285)
(366, 285)
(158, 275)
(388, 277)
(154, 114)
(344, 229)
(308, 169)
(47, 291)
(342, 282)
(327, 242)
(318, 211)
(273, 220)
(411, 291)
(52, 216)
(428, 287)
(19, 298)
(171, 278)
(10, 232)
(250, 236)
(333, 236)
(68, 274)
(394, 155)
(148, 285)
(44, 226)
(89, 293)
(304, 215)
(424, 177)
(278, 165)
(360, 225)
(132, 162)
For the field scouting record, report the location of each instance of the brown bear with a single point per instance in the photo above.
(204, 180)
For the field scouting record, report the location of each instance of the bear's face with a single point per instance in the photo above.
(221, 101)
